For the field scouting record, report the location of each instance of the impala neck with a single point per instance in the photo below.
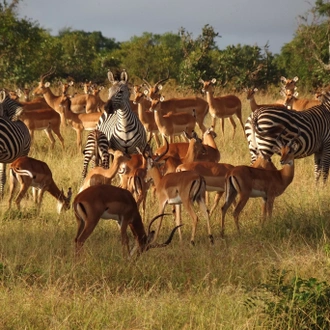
(287, 173)
(51, 98)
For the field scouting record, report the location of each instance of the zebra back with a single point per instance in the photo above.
(9, 108)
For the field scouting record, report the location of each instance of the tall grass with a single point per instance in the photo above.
(42, 285)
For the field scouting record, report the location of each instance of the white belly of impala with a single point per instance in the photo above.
(175, 200)
(108, 216)
(257, 193)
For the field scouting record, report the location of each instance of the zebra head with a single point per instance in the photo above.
(118, 93)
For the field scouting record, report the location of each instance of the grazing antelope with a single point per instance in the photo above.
(172, 124)
(179, 188)
(99, 175)
(109, 202)
(35, 173)
(223, 106)
(47, 120)
(248, 182)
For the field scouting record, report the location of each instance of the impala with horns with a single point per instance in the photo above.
(248, 182)
(172, 124)
(179, 188)
(47, 120)
(287, 84)
(32, 172)
(222, 106)
(109, 202)
(54, 101)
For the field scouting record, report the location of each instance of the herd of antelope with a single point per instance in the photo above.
(175, 173)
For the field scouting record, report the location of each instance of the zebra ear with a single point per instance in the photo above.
(111, 77)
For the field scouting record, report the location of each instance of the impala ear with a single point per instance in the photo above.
(213, 81)
(47, 84)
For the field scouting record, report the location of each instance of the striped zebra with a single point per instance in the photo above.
(96, 149)
(263, 125)
(119, 123)
(15, 139)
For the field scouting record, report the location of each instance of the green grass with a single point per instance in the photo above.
(42, 285)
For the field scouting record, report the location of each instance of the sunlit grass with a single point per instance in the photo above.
(43, 286)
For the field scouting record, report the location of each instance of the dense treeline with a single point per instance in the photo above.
(26, 51)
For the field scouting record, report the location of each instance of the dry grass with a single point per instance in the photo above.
(42, 286)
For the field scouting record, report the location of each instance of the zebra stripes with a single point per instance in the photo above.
(15, 139)
(263, 125)
(96, 148)
(119, 123)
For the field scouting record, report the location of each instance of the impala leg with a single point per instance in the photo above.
(202, 206)
(12, 187)
(238, 209)
(57, 132)
(217, 198)
(178, 219)
(124, 237)
(231, 195)
(223, 126)
(50, 136)
(157, 140)
(79, 143)
(25, 184)
(233, 124)
(40, 195)
(189, 207)
(85, 228)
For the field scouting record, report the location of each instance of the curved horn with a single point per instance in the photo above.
(145, 148)
(154, 219)
(162, 80)
(167, 242)
(48, 73)
(163, 153)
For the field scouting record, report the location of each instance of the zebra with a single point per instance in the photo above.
(263, 125)
(119, 123)
(96, 148)
(15, 139)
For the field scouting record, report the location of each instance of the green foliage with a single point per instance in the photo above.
(296, 304)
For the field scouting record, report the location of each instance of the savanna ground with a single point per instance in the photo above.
(42, 285)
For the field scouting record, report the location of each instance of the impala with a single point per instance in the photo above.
(253, 104)
(287, 84)
(35, 173)
(146, 117)
(292, 102)
(223, 106)
(109, 202)
(179, 188)
(172, 124)
(85, 103)
(47, 120)
(79, 122)
(52, 100)
(248, 182)
(179, 149)
(99, 175)
(178, 105)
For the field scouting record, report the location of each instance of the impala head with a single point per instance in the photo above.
(289, 83)
(64, 202)
(250, 92)
(290, 96)
(119, 92)
(210, 131)
(207, 85)
(156, 103)
(42, 86)
(153, 91)
(287, 150)
(149, 240)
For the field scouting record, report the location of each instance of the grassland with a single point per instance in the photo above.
(42, 285)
